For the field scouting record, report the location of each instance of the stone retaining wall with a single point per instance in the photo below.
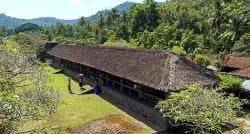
(136, 109)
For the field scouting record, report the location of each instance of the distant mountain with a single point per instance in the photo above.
(13, 22)
(9, 21)
(50, 21)
(120, 8)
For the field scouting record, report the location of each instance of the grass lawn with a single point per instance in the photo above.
(76, 110)
(248, 115)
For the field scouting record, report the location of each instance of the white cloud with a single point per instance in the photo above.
(76, 2)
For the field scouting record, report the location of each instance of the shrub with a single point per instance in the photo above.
(229, 82)
(202, 60)
(218, 64)
(179, 50)
(201, 110)
(117, 43)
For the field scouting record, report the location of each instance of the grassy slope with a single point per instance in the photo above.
(76, 110)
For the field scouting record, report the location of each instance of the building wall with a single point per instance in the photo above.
(140, 111)
(136, 109)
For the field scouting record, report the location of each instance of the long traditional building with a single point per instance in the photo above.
(146, 76)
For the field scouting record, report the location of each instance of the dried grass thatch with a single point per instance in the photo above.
(161, 70)
(237, 62)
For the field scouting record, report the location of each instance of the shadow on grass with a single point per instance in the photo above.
(59, 72)
(87, 92)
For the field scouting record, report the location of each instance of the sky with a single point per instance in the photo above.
(62, 9)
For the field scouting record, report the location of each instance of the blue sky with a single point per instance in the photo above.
(63, 9)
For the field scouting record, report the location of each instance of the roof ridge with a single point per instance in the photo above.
(118, 48)
(166, 64)
(171, 73)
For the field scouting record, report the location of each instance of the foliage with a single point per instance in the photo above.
(202, 60)
(242, 47)
(14, 22)
(236, 17)
(160, 38)
(62, 40)
(229, 82)
(28, 27)
(4, 31)
(190, 41)
(143, 17)
(212, 26)
(31, 43)
(179, 50)
(218, 64)
(201, 110)
(21, 78)
(117, 43)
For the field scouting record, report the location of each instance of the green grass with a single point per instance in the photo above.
(248, 115)
(76, 110)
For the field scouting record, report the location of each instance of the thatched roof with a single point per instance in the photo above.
(245, 72)
(237, 62)
(158, 69)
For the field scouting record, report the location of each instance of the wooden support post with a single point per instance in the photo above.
(100, 78)
(80, 68)
(113, 84)
(121, 85)
(140, 94)
(99, 74)
(88, 70)
(129, 92)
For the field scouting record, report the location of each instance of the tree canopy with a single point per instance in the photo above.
(25, 93)
(198, 26)
(27, 27)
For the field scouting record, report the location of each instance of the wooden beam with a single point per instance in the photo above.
(121, 87)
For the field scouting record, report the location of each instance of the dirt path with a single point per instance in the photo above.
(111, 125)
(244, 127)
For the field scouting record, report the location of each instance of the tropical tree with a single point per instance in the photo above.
(160, 38)
(28, 27)
(242, 47)
(237, 15)
(190, 41)
(82, 21)
(201, 110)
(24, 90)
(143, 17)
(101, 22)
(3, 31)
(112, 17)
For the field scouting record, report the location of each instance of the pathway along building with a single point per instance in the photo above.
(135, 78)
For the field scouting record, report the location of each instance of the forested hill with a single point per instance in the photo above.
(13, 22)
(120, 8)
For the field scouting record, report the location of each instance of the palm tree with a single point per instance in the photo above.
(237, 25)
(82, 21)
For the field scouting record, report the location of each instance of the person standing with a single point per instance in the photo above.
(81, 81)
(80, 84)
(97, 88)
(69, 86)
